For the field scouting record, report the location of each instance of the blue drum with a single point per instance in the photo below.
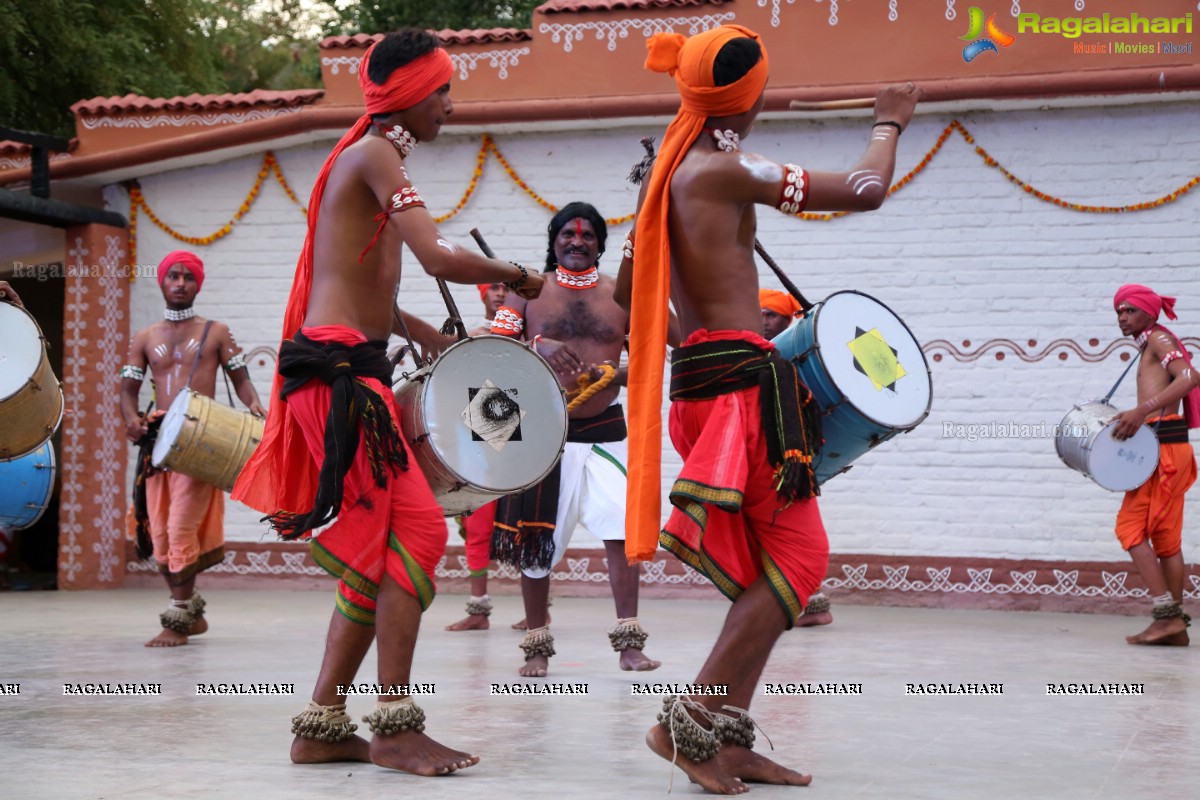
(26, 485)
(866, 372)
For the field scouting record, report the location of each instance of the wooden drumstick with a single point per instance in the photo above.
(832, 105)
(483, 246)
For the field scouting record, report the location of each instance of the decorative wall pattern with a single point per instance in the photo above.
(163, 121)
(499, 60)
(570, 32)
(999, 347)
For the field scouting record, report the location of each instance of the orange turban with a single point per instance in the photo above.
(781, 303)
(690, 62)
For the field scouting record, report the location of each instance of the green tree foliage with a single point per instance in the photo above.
(388, 15)
(54, 53)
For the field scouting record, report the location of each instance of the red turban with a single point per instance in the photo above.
(781, 303)
(407, 85)
(1146, 299)
(189, 260)
(483, 290)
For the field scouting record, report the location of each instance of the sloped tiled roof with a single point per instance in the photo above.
(575, 6)
(132, 103)
(445, 36)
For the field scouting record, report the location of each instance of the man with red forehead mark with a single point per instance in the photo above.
(745, 509)
(177, 518)
(577, 327)
(332, 456)
(1150, 521)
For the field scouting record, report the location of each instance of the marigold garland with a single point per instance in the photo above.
(270, 166)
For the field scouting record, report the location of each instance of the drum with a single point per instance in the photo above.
(488, 418)
(1085, 443)
(866, 372)
(26, 484)
(31, 399)
(205, 440)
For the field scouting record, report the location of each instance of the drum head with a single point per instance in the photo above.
(495, 413)
(1120, 466)
(873, 359)
(20, 349)
(172, 424)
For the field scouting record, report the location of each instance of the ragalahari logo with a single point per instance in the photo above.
(979, 43)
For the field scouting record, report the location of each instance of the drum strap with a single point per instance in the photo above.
(199, 353)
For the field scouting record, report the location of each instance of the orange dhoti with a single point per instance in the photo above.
(187, 525)
(729, 523)
(1154, 510)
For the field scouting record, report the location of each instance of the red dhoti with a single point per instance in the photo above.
(729, 523)
(398, 528)
(477, 533)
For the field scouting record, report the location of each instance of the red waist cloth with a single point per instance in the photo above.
(398, 528)
(728, 523)
(1154, 510)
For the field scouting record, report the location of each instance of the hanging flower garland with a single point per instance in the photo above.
(270, 166)
(954, 126)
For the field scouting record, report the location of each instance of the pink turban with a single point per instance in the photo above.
(189, 260)
(1146, 299)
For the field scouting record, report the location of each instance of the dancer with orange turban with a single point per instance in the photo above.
(779, 311)
(745, 508)
(1150, 521)
(332, 454)
(178, 519)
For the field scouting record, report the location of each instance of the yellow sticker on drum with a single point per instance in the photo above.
(876, 359)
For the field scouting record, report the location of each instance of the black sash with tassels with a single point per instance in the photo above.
(353, 406)
(791, 418)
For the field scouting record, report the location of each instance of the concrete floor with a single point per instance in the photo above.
(881, 744)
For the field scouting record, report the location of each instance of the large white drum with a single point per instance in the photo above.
(866, 371)
(1085, 443)
(31, 399)
(488, 418)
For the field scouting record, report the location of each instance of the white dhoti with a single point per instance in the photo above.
(592, 490)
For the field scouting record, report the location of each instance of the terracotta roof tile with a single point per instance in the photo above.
(446, 36)
(132, 103)
(575, 6)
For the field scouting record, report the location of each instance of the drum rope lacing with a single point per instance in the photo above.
(587, 388)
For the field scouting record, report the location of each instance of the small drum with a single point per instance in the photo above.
(205, 440)
(1085, 443)
(26, 484)
(866, 372)
(488, 418)
(31, 400)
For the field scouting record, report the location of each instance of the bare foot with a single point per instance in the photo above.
(417, 754)
(472, 622)
(168, 638)
(198, 627)
(813, 620)
(535, 667)
(312, 751)
(1159, 631)
(748, 765)
(710, 774)
(634, 660)
(523, 625)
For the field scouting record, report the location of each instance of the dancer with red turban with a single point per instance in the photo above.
(1150, 521)
(745, 508)
(177, 518)
(332, 456)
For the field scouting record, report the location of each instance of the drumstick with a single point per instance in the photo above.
(483, 246)
(787, 284)
(832, 105)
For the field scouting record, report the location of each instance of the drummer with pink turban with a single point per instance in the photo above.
(1150, 522)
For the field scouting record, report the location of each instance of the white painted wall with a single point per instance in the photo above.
(960, 254)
